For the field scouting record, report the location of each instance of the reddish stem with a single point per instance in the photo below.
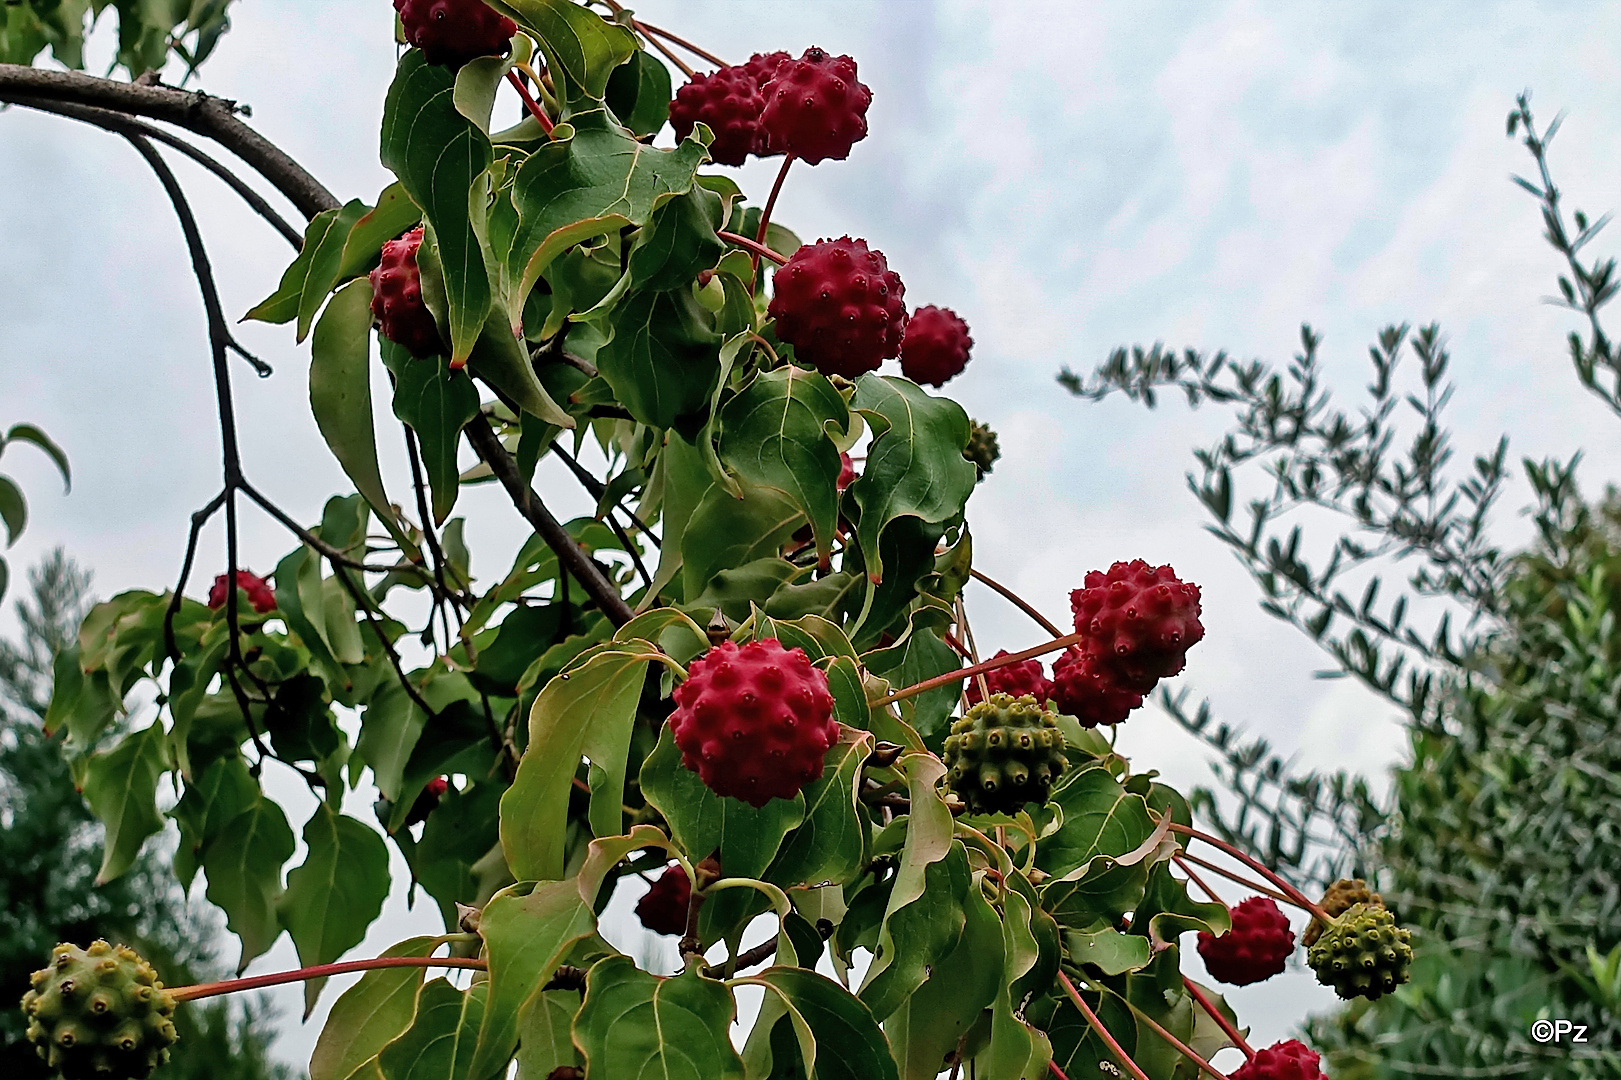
(979, 669)
(765, 217)
(1215, 1014)
(754, 247)
(1097, 1026)
(1056, 1071)
(530, 103)
(1239, 879)
(648, 30)
(1196, 879)
(1019, 602)
(1295, 895)
(1182, 1048)
(321, 971)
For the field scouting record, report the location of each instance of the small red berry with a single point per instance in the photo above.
(1139, 620)
(935, 347)
(1289, 1060)
(452, 32)
(754, 721)
(729, 102)
(426, 801)
(1087, 690)
(1015, 680)
(396, 298)
(1256, 948)
(663, 908)
(258, 591)
(840, 306)
(815, 108)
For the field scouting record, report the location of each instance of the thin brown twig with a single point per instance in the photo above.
(1019, 602)
(650, 29)
(1199, 881)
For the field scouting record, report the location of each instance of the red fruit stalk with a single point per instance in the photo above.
(815, 108)
(754, 721)
(1256, 948)
(1139, 621)
(935, 347)
(396, 298)
(256, 588)
(1289, 1060)
(729, 102)
(1025, 677)
(840, 306)
(452, 32)
(663, 908)
(1086, 689)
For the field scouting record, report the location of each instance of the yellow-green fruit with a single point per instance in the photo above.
(99, 1013)
(1364, 954)
(1337, 901)
(1004, 752)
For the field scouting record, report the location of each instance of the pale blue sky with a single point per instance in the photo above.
(1068, 177)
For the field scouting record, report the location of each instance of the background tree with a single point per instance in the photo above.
(1501, 838)
(49, 840)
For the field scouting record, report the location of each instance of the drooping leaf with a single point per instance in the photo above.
(13, 509)
(582, 49)
(369, 1015)
(724, 532)
(635, 1024)
(28, 433)
(663, 360)
(437, 402)
(830, 844)
(121, 786)
(243, 865)
(639, 93)
(336, 893)
(849, 1044)
(394, 213)
(1097, 857)
(314, 271)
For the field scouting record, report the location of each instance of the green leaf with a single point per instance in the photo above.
(340, 391)
(725, 532)
(849, 1043)
(635, 1024)
(597, 180)
(121, 786)
(437, 402)
(663, 360)
(639, 93)
(1099, 855)
(528, 928)
(314, 271)
(914, 466)
(677, 243)
(28, 433)
(209, 804)
(499, 358)
(830, 845)
(775, 433)
(439, 1043)
(437, 153)
(369, 1015)
(582, 49)
(336, 893)
(13, 509)
(544, 1042)
(243, 865)
(591, 704)
(394, 214)
(1014, 1046)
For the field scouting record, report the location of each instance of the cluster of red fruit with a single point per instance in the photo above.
(1139, 622)
(254, 587)
(1256, 948)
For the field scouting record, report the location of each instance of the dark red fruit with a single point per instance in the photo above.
(754, 721)
(1084, 688)
(1015, 680)
(257, 589)
(1282, 1061)
(815, 108)
(762, 66)
(840, 306)
(847, 472)
(396, 298)
(1256, 948)
(1139, 621)
(663, 908)
(427, 801)
(452, 32)
(935, 347)
(729, 102)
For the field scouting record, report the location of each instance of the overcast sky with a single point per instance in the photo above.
(1067, 177)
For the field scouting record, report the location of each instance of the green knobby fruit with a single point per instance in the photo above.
(1363, 954)
(1337, 901)
(1003, 753)
(99, 1013)
(981, 449)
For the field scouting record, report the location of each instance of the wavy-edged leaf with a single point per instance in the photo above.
(244, 874)
(439, 1043)
(849, 1044)
(724, 532)
(580, 46)
(639, 93)
(121, 786)
(830, 844)
(336, 893)
(635, 1024)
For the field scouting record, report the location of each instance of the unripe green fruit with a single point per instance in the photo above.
(99, 1014)
(982, 449)
(1003, 753)
(712, 295)
(1337, 901)
(1364, 954)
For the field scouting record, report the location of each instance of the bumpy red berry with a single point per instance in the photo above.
(728, 101)
(452, 32)
(935, 347)
(762, 66)
(254, 587)
(663, 908)
(1015, 680)
(1289, 1060)
(1084, 688)
(815, 108)
(1256, 948)
(99, 1014)
(840, 306)
(1139, 620)
(754, 721)
(396, 298)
